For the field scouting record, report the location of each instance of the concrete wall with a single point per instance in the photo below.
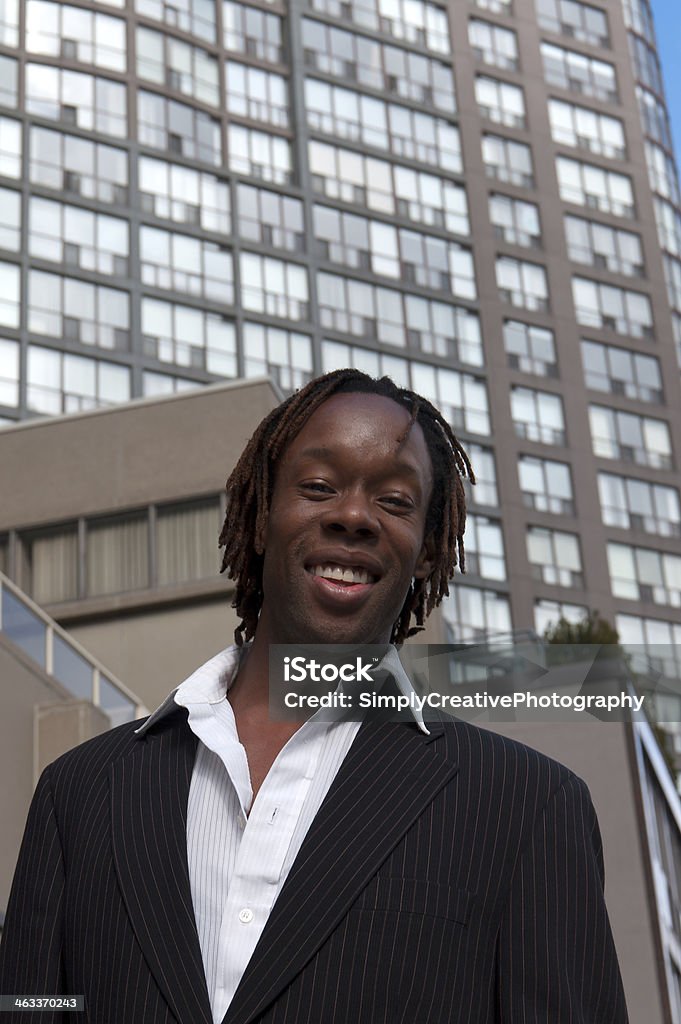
(39, 722)
(600, 752)
(116, 458)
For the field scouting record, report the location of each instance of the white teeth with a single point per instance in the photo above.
(343, 574)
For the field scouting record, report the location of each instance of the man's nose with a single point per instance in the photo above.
(352, 513)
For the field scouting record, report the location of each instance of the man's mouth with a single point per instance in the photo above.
(342, 575)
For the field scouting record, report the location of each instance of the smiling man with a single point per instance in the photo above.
(215, 865)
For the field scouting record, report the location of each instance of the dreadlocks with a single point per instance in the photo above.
(249, 492)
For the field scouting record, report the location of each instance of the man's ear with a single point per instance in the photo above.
(426, 560)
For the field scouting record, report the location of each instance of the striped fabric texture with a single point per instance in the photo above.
(455, 877)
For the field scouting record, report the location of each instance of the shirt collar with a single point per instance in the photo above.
(209, 685)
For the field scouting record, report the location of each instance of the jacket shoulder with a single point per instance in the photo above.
(95, 755)
(502, 760)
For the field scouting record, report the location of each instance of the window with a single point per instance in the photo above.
(185, 541)
(471, 614)
(155, 384)
(62, 382)
(461, 398)
(436, 328)
(59, 30)
(568, 69)
(484, 492)
(9, 23)
(9, 372)
(500, 102)
(270, 218)
(394, 252)
(354, 178)
(253, 32)
(259, 155)
(672, 274)
(668, 220)
(167, 124)
(90, 314)
(522, 284)
(274, 286)
(641, 574)
(260, 95)
(662, 172)
(356, 58)
(194, 16)
(49, 563)
(621, 372)
(546, 485)
(538, 416)
(654, 117)
(413, 21)
(284, 355)
(77, 237)
(91, 103)
(661, 643)
(188, 337)
(394, 318)
(406, 132)
(633, 504)
(185, 195)
(554, 557)
(646, 65)
(10, 219)
(592, 186)
(574, 19)
(164, 60)
(10, 148)
(530, 348)
(493, 44)
(515, 221)
(637, 15)
(586, 129)
(614, 309)
(604, 247)
(186, 264)
(9, 81)
(484, 547)
(495, 6)
(117, 554)
(508, 161)
(630, 438)
(9, 295)
(77, 166)
(547, 613)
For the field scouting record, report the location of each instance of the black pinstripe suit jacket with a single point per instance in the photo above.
(455, 877)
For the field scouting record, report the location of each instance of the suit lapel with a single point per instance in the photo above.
(149, 792)
(390, 774)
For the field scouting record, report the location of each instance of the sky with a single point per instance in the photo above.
(667, 15)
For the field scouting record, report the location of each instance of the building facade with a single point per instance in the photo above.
(479, 199)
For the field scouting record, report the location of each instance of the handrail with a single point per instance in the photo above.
(52, 631)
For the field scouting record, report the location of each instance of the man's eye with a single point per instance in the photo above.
(316, 485)
(393, 499)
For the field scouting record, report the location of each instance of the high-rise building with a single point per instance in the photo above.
(479, 199)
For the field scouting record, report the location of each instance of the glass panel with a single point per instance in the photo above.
(118, 707)
(22, 627)
(72, 670)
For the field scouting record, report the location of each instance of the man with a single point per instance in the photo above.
(214, 865)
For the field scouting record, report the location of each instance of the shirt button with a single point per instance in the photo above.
(246, 915)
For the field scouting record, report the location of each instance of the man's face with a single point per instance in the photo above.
(345, 531)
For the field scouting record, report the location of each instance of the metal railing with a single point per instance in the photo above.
(27, 626)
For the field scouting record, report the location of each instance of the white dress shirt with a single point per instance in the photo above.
(241, 850)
